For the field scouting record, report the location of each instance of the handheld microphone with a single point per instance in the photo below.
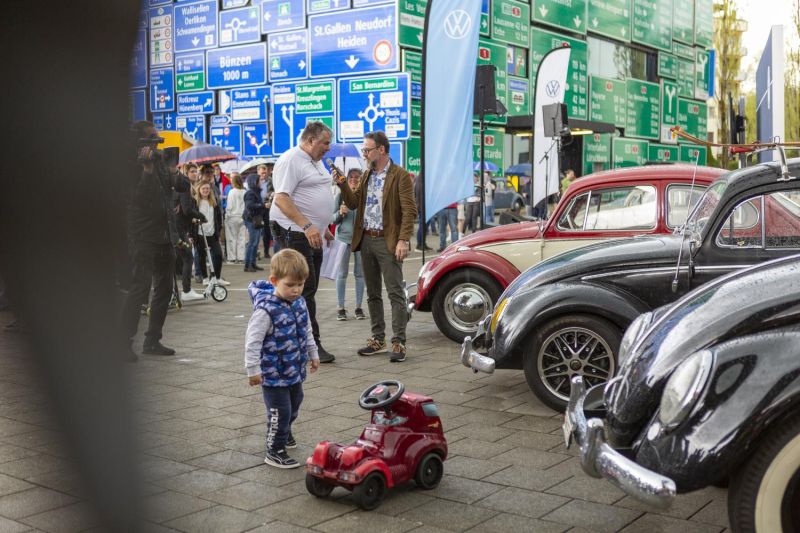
(338, 174)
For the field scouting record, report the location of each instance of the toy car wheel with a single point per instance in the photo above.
(219, 293)
(572, 345)
(765, 494)
(429, 472)
(370, 493)
(317, 486)
(462, 300)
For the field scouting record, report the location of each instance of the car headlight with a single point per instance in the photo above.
(634, 330)
(684, 388)
(498, 313)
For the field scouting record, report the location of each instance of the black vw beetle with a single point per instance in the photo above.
(566, 315)
(708, 392)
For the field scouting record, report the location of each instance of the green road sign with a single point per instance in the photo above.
(607, 100)
(569, 15)
(413, 155)
(683, 21)
(652, 23)
(644, 109)
(685, 78)
(667, 68)
(693, 117)
(511, 22)
(491, 53)
(596, 153)
(669, 109)
(494, 141)
(702, 74)
(704, 22)
(416, 116)
(411, 62)
(412, 21)
(519, 96)
(662, 153)
(190, 81)
(576, 96)
(611, 18)
(517, 61)
(629, 152)
(687, 153)
(682, 50)
(314, 97)
(485, 26)
(328, 121)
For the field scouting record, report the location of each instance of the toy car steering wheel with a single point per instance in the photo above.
(378, 395)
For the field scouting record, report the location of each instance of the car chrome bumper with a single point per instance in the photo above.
(600, 460)
(411, 297)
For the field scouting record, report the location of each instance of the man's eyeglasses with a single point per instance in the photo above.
(366, 151)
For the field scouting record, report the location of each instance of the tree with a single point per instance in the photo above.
(728, 29)
(791, 91)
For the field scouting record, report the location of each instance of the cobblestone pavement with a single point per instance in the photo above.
(202, 429)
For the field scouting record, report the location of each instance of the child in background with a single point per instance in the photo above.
(278, 345)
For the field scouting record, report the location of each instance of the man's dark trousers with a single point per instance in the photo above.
(296, 240)
(153, 264)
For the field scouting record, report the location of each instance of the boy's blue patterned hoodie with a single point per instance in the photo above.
(287, 341)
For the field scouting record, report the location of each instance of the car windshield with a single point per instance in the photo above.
(707, 204)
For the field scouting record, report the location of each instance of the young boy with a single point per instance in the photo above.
(278, 344)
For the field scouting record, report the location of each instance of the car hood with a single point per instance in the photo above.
(760, 298)
(506, 232)
(636, 252)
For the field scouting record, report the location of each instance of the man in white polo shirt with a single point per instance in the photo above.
(302, 208)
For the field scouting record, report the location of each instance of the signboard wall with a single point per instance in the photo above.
(577, 94)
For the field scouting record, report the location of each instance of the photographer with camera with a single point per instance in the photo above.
(152, 236)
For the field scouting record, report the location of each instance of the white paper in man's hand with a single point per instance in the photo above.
(332, 252)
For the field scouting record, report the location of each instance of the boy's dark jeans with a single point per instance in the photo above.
(283, 406)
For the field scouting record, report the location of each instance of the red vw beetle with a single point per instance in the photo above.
(461, 285)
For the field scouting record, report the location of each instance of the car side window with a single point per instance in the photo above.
(743, 227)
(681, 198)
(622, 208)
(574, 215)
(782, 220)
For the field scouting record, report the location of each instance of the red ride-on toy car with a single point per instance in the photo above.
(403, 440)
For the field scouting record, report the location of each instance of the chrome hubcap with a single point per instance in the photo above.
(466, 305)
(574, 352)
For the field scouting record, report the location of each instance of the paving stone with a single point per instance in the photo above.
(305, 510)
(683, 506)
(592, 516)
(281, 527)
(462, 489)
(10, 427)
(472, 468)
(168, 505)
(9, 452)
(716, 512)
(32, 501)
(69, 481)
(184, 451)
(404, 498)
(482, 431)
(524, 478)
(510, 523)
(274, 477)
(250, 495)
(198, 482)
(32, 439)
(522, 502)
(197, 413)
(366, 521)
(69, 519)
(211, 435)
(534, 423)
(479, 449)
(588, 488)
(155, 468)
(12, 526)
(452, 516)
(219, 519)
(651, 523)
(10, 485)
(532, 439)
(531, 458)
(252, 444)
(227, 461)
(31, 466)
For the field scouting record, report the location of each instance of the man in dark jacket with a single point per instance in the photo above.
(152, 236)
(186, 213)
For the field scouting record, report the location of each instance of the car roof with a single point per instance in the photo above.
(648, 173)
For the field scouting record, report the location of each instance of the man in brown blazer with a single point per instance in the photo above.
(384, 223)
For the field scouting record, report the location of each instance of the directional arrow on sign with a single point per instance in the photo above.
(209, 104)
(543, 10)
(595, 22)
(180, 82)
(623, 31)
(267, 16)
(274, 44)
(577, 20)
(302, 65)
(419, 36)
(195, 41)
(352, 61)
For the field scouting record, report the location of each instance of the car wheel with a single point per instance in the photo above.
(573, 345)
(518, 207)
(429, 471)
(369, 493)
(462, 300)
(317, 486)
(765, 494)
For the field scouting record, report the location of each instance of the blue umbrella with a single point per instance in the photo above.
(205, 154)
(343, 150)
(487, 165)
(521, 169)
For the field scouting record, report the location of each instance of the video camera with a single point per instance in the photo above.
(168, 155)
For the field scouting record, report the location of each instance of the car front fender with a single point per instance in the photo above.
(494, 265)
(529, 310)
(368, 466)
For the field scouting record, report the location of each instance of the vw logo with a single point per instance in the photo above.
(552, 88)
(457, 24)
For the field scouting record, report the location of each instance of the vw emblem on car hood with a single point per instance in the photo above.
(457, 24)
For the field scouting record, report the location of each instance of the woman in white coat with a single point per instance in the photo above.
(235, 232)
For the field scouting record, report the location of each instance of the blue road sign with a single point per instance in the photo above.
(162, 89)
(162, 48)
(158, 121)
(396, 152)
(159, 2)
(169, 121)
(139, 61)
(249, 105)
(323, 6)
(256, 140)
(219, 120)
(288, 55)
(229, 4)
(351, 42)
(240, 26)
(192, 125)
(236, 66)
(196, 25)
(282, 15)
(375, 103)
(294, 104)
(224, 102)
(201, 103)
(190, 72)
(228, 137)
(416, 90)
(138, 105)
(144, 21)
(365, 3)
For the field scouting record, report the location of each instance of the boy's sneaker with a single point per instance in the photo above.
(398, 353)
(290, 442)
(341, 314)
(373, 346)
(280, 459)
(360, 314)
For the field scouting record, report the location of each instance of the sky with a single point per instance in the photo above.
(761, 15)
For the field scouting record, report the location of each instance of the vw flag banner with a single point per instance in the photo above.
(450, 45)
(551, 80)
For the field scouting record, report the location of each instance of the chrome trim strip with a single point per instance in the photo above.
(708, 268)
